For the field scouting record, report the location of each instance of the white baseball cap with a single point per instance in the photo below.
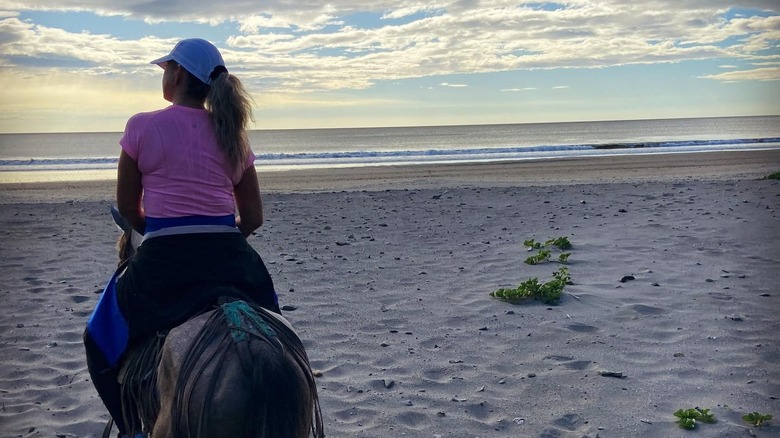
(197, 56)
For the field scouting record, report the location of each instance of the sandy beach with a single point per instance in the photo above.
(389, 272)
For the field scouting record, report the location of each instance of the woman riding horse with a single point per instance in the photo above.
(183, 172)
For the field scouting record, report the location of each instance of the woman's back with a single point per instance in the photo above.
(184, 172)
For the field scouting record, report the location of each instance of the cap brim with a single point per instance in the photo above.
(162, 60)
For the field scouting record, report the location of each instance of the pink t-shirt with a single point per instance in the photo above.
(183, 172)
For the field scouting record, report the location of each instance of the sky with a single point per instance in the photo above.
(83, 65)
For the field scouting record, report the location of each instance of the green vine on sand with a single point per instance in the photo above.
(548, 293)
(544, 253)
(687, 418)
(775, 175)
(757, 419)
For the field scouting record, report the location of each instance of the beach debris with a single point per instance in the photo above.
(289, 307)
(622, 210)
(341, 243)
(616, 374)
(627, 278)
(388, 383)
(735, 318)
(679, 355)
(519, 421)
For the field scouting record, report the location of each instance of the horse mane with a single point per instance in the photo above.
(138, 383)
(234, 328)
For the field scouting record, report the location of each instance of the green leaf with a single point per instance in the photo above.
(531, 243)
(775, 175)
(757, 419)
(559, 242)
(687, 423)
(688, 417)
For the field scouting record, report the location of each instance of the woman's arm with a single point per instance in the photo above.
(248, 202)
(129, 192)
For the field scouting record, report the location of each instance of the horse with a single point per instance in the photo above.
(235, 371)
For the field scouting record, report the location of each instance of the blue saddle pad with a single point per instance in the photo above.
(107, 326)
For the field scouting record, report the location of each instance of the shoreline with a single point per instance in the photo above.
(717, 165)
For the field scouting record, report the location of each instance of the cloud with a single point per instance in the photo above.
(445, 84)
(759, 74)
(515, 90)
(307, 45)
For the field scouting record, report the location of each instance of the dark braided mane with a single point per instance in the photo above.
(261, 342)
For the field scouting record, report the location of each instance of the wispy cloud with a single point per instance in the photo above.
(305, 56)
(759, 74)
(310, 46)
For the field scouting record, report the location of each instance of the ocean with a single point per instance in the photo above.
(84, 156)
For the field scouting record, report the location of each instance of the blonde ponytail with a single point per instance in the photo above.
(230, 107)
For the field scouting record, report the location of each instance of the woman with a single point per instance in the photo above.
(183, 173)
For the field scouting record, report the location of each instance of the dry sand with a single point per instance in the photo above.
(390, 272)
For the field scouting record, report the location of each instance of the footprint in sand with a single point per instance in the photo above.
(582, 328)
(647, 310)
(568, 422)
(570, 363)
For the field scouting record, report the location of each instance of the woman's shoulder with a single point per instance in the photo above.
(140, 120)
